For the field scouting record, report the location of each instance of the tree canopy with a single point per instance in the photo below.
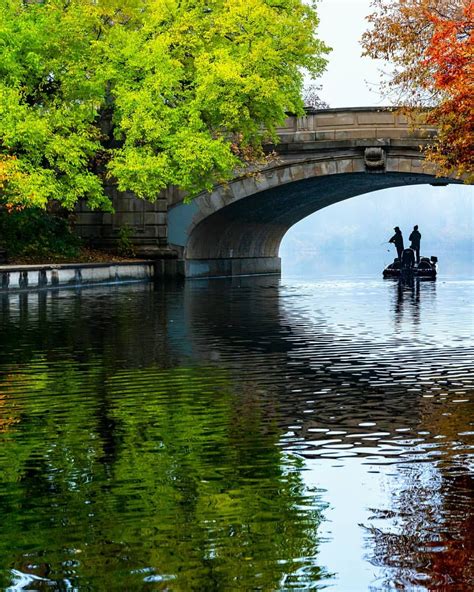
(430, 46)
(144, 93)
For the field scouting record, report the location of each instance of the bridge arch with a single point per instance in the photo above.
(323, 158)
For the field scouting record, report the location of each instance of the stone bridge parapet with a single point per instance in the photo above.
(358, 125)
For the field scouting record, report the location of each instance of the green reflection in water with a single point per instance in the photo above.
(148, 479)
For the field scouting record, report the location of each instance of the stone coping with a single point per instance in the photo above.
(310, 110)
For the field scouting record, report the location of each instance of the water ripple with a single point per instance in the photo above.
(239, 434)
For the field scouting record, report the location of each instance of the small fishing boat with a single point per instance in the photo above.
(427, 268)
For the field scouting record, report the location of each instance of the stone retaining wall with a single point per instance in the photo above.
(34, 277)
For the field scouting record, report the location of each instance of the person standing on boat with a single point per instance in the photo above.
(415, 238)
(397, 240)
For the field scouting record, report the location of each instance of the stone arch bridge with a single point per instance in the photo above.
(322, 158)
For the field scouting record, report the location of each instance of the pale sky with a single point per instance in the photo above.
(349, 76)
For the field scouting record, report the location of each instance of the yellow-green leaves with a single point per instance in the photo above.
(147, 92)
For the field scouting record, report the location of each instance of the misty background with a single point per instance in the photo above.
(347, 238)
(350, 236)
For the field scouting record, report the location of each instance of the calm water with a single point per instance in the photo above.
(255, 434)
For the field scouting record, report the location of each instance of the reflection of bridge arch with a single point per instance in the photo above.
(323, 158)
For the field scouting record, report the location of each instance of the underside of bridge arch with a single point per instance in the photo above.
(244, 236)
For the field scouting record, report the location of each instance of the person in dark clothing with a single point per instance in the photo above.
(397, 239)
(408, 258)
(415, 238)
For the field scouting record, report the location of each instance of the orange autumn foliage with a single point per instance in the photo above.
(450, 54)
(429, 46)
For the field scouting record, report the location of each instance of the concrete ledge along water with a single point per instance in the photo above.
(34, 277)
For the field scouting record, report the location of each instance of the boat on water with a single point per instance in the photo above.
(427, 268)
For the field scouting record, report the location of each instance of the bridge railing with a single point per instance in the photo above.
(358, 123)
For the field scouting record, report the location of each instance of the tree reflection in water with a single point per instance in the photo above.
(162, 476)
(425, 539)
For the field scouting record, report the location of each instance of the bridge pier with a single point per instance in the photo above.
(209, 268)
(231, 267)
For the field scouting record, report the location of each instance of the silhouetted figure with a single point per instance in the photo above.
(397, 239)
(408, 259)
(415, 238)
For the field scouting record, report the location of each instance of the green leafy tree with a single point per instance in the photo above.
(149, 93)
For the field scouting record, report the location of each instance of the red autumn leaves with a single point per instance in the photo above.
(449, 56)
(429, 46)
